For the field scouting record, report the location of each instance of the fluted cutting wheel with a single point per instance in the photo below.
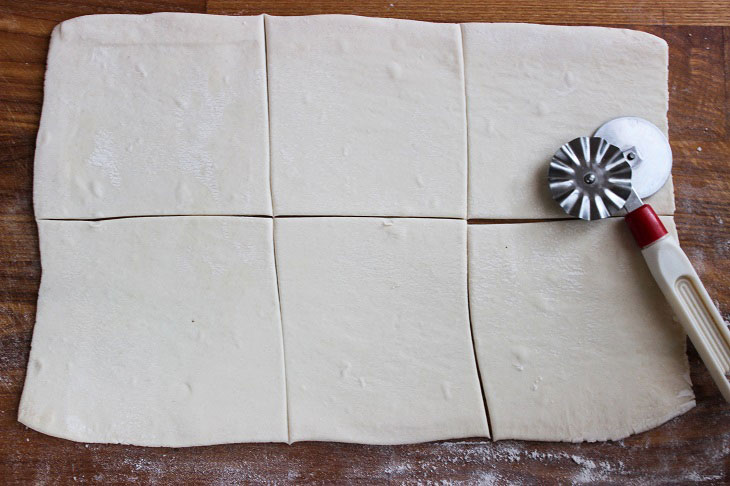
(590, 178)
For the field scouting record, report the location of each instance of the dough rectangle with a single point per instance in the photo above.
(574, 340)
(367, 117)
(161, 114)
(376, 330)
(157, 332)
(532, 88)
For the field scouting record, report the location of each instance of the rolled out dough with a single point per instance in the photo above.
(367, 117)
(574, 339)
(532, 88)
(154, 115)
(165, 331)
(376, 330)
(157, 332)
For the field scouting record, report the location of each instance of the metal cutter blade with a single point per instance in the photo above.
(645, 147)
(590, 178)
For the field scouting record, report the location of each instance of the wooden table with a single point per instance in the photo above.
(691, 448)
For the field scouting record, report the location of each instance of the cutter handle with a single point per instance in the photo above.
(688, 298)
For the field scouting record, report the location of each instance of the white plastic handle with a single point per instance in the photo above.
(693, 307)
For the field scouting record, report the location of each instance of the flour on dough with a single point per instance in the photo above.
(367, 117)
(376, 330)
(154, 115)
(532, 88)
(574, 339)
(157, 332)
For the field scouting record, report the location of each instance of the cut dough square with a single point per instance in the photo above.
(574, 339)
(367, 117)
(376, 330)
(157, 332)
(154, 115)
(532, 88)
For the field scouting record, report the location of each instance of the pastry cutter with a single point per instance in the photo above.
(607, 174)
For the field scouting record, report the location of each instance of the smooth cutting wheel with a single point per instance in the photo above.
(645, 148)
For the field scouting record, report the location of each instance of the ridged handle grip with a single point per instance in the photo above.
(684, 291)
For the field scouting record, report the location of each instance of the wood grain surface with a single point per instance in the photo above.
(694, 448)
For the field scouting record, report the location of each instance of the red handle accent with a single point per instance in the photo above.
(645, 225)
